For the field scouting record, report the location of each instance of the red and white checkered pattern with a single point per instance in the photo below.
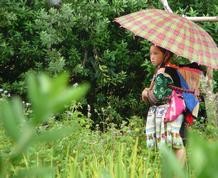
(173, 32)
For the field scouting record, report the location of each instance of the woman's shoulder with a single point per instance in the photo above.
(169, 68)
(163, 72)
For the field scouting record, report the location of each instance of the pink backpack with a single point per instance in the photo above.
(176, 106)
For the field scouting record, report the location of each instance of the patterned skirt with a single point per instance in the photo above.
(159, 132)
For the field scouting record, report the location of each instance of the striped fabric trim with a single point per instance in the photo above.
(181, 89)
(151, 98)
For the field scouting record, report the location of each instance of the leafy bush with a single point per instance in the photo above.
(47, 97)
(81, 37)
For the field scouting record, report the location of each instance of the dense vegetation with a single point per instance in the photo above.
(80, 151)
(105, 137)
(80, 37)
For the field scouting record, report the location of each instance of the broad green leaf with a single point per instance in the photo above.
(37, 98)
(41, 172)
(170, 165)
(67, 96)
(44, 84)
(59, 84)
(1, 166)
(25, 139)
(49, 96)
(12, 116)
(198, 154)
(203, 158)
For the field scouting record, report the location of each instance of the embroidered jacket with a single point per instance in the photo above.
(160, 91)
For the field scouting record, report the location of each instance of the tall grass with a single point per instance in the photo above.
(83, 153)
(92, 154)
(117, 153)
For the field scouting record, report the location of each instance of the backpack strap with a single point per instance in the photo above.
(174, 75)
(181, 89)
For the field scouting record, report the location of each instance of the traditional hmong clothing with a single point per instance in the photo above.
(159, 132)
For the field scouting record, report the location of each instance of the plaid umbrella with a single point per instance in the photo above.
(173, 32)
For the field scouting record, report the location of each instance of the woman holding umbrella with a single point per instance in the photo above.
(170, 32)
(158, 131)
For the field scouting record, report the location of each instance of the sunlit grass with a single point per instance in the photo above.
(94, 154)
(118, 152)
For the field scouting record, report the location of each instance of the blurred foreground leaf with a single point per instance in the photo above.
(47, 97)
(203, 156)
(11, 115)
(170, 165)
(35, 172)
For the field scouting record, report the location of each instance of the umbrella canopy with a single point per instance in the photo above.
(173, 32)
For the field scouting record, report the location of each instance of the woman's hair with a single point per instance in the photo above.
(167, 54)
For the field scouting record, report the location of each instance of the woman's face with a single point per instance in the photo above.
(156, 55)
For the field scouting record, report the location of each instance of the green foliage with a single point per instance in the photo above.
(115, 153)
(201, 157)
(48, 97)
(87, 153)
(170, 165)
(203, 153)
(81, 37)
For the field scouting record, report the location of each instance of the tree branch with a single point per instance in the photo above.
(201, 19)
(194, 19)
(166, 6)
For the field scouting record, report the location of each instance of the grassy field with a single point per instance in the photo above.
(91, 154)
(86, 153)
(40, 145)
